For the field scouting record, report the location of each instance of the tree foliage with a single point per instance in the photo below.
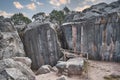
(66, 9)
(38, 15)
(19, 18)
(57, 16)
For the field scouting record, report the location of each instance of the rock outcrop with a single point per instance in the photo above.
(44, 69)
(93, 11)
(13, 64)
(14, 70)
(10, 42)
(98, 36)
(73, 66)
(41, 44)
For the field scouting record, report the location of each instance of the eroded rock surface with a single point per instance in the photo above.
(14, 70)
(10, 42)
(41, 44)
(98, 36)
(73, 66)
(44, 69)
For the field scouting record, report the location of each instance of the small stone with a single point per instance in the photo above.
(44, 69)
(62, 78)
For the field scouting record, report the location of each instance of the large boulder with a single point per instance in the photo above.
(73, 66)
(41, 44)
(14, 74)
(10, 42)
(14, 70)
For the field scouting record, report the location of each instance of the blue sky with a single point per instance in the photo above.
(30, 7)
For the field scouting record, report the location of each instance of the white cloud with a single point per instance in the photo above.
(91, 0)
(81, 8)
(5, 14)
(18, 5)
(39, 3)
(31, 6)
(59, 2)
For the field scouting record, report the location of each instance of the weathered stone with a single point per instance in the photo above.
(62, 78)
(9, 65)
(10, 42)
(115, 75)
(41, 44)
(44, 69)
(15, 74)
(25, 60)
(2, 77)
(72, 66)
(99, 37)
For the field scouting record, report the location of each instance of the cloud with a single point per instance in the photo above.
(59, 2)
(5, 14)
(31, 6)
(18, 5)
(81, 8)
(90, 0)
(39, 3)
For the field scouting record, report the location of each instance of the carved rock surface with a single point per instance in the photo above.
(98, 36)
(41, 44)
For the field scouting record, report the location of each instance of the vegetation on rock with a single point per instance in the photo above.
(19, 18)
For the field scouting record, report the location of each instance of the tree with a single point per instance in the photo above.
(1, 17)
(57, 16)
(19, 18)
(66, 10)
(39, 16)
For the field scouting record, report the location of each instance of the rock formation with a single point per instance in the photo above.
(10, 42)
(13, 64)
(98, 36)
(41, 44)
(74, 66)
(15, 70)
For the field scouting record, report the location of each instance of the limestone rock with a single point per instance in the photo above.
(73, 66)
(41, 44)
(24, 60)
(14, 74)
(93, 11)
(97, 36)
(10, 42)
(9, 68)
(2, 77)
(44, 69)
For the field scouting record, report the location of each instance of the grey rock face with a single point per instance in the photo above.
(10, 43)
(93, 11)
(99, 37)
(71, 67)
(24, 60)
(44, 69)
(41, 44)
(14, 74)
(14, 70)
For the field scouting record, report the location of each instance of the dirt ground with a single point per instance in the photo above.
(96, 71)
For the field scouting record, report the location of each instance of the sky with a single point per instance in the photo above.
(31, 7)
